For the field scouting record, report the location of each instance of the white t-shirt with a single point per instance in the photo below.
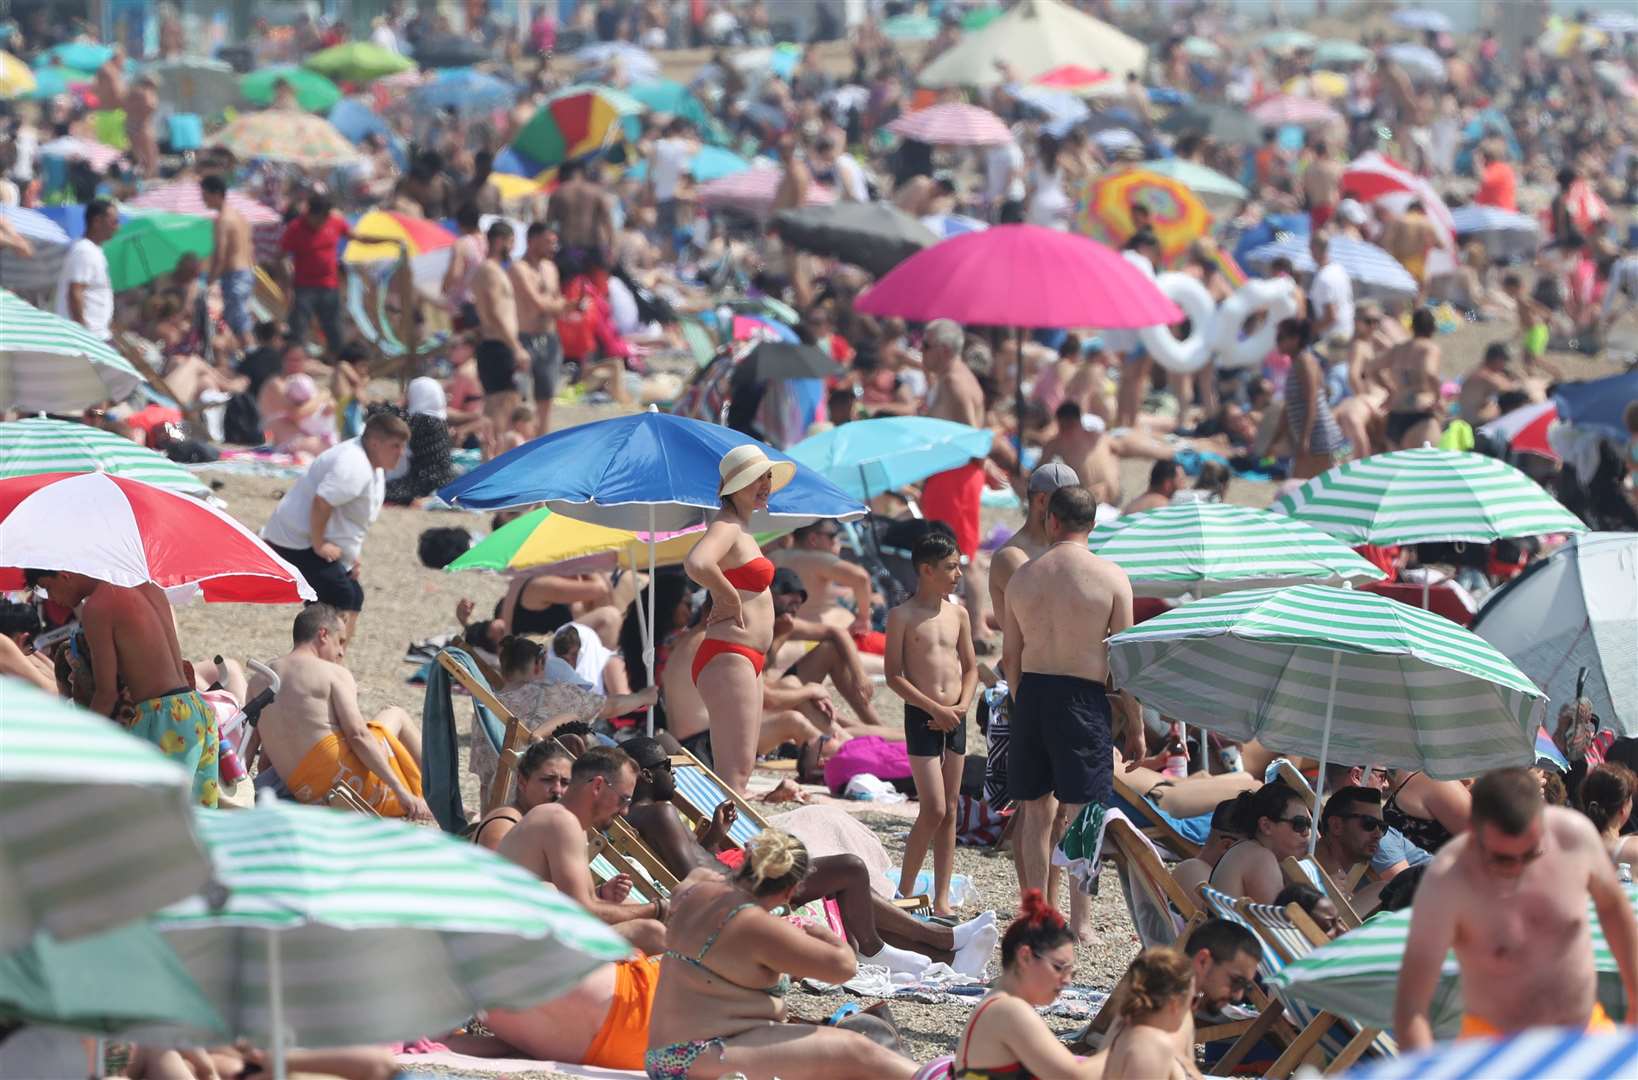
(1004, 173)
(1331, 288)
(850, 180)
(85, 264)
(665, 168)
(343, 477)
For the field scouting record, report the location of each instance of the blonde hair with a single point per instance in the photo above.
(774, 862)
(1156, 977)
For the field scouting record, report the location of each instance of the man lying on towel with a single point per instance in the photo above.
(315, 736)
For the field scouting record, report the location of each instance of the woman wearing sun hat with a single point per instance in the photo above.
(727, 561)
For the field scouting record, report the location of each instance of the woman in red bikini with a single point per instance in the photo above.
(728, 562)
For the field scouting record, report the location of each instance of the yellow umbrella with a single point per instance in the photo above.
(1319, 84)
(542, 538)
(286, 135)
(514, 187)
(1176, 214)
(15, 77)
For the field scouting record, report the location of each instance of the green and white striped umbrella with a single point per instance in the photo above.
(50, 364)
(1342, 675)
(1206, 548)
(39, 444)
(341, 928)
(96, 826)
(1426, 495)
(1357, 975)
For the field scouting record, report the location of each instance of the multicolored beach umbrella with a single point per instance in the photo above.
(377, 235)
(572, 124)
(1177, 215)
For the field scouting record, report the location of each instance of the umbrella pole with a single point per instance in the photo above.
(648, 631)
(1018, 408)
(275, 998)
(1325, 750)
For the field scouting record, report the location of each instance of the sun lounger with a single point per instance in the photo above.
(1154, 822)
(493, 720)
(608, 861)
(700, 791)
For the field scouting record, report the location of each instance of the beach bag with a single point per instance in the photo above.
(576, 329)
(242, 421)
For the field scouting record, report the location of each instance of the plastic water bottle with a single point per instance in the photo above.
(1177, 753)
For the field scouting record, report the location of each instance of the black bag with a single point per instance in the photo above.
(242, 421)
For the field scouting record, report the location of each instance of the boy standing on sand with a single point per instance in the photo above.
(930, 663)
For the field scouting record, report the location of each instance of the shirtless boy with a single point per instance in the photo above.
(540, 302)
(231, 258)
(501, 355)
(931, 665)
(315, 736)
(132, 640)
(1484, 385)
(1411, 372)
(1510, 896)
(1534, 329)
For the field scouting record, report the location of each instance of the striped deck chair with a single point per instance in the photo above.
(1154, 822)
(638, 859)
(492, 719)
(608, 861)
(1310, 872)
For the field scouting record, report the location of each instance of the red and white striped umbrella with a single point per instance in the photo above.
(952, 124)
(183, 198)
(1288, 109)
(1524, 430)
(1373, 176)
(754, 190)
(126, 532)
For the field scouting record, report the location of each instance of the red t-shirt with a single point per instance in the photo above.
(314, 251)
(1496, 186)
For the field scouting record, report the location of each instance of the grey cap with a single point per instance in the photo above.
(1052, 476)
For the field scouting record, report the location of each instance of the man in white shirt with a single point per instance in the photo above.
(839, 171)
(1330, 295)
(1004, 181)
(673, 152)
(319, 525)
(85, 294)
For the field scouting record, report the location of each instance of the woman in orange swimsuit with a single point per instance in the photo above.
(728, 562)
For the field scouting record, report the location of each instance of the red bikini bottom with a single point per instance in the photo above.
(711, 648)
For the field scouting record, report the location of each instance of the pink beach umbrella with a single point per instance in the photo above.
(1289, 109)
(952, 124)
(753, 191)
(126, 532)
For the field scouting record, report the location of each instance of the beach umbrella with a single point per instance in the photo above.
(53, 82)
(945, 226)
(1078, 79)
(1372, 270)
(673, 98)
(1339, 52)
(952, 123)
(129, 533)
(151, 244)
(1505, 234)
(38, 273)
(1424, 496)
(542, 538)
(770, 361)
(1032, 37)
(1374, 175)
(1208, 548)
(183, 197)
(38, 444)
(911, 27)
(49, 364)
(1537, 1052)
(753, 191)
(314, 91)
(344, 928)
(572, 124)
(636, 64)
(1283, 109)
(1222, 196)
(1287, 41)
(16, 79)
(1426, 21)
(1225, 123)
(466, 91)
(1575, 610)
(75, 148)
(81, 55)
(869, 457)
(356, 119)
(709, 163)
(1199, 48)
(106, 984)
(1524, 430)
(1615, 22)
(357, 62)
(95, 825)
(193, 84)
(289, 136)
(447, 51)
(377, 237)
(1598, 403)
(1061, 108)
(1337, 674)
(1421, 63)
(1357, 976)
(875, 236)
(1178, 217)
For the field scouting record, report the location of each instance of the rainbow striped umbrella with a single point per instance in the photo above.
(573, 123)
(542, 538)
(377, 235)
(1177, 215)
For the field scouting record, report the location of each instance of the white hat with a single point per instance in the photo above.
(1351, 211)
(745, 465)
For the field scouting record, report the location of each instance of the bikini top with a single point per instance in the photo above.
(1013, 1071)
(777, 990)
(753, 577)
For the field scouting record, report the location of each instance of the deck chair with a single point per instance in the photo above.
(493, 720)
(1155, 823)
(1282, 770)
(640, 861)
(342, 797)
(701, 346)
(1310, 872)
(608, 861)
(1288, 934)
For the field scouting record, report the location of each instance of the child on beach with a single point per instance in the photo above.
(930, 663)
(1534, 329)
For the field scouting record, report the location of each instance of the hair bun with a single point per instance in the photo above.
(1034, 910)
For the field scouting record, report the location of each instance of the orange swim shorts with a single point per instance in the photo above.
(623, 1039)
(1474, 1027)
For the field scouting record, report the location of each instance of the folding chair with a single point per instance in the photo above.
(494, 720)
(1310, 872)
(1154, 822)
(1287, 773)
(342, 797)
(638, 859)
(607, 861)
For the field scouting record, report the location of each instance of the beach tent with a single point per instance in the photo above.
(1032, 39)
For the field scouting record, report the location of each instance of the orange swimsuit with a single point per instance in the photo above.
(752, 577)
(1474, 1027)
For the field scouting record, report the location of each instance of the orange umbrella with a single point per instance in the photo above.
(1176, 214)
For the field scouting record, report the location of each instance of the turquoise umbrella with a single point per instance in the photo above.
(868, 457)
(675, 99)
(1339, 52)
(911, 27)
(711, 163)
(75, 54)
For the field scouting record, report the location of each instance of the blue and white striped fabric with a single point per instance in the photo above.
(1372, 270)
(948, 225)
(1058, 106)
(1505, 234)
(1563, 1054)
(38, 273)
(704, 794)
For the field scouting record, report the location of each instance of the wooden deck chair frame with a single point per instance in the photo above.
(1296, 781)
(647, 875)
(624, 842)
(515, 738)
(1296, 875)
(1153, 825)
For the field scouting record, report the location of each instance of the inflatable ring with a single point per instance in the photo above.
(1192, 353)
(1277, 297)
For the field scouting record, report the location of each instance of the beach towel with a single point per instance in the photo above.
(1079, 852)
(331, 761)
(995, 718)
(828, 830)
(440, 763)
(183, 726)
(867, 754)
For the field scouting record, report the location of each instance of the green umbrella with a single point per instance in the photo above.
(1427, 495)
(1357, 975)
(38, 444)
(95, 824)
(357, 62)
(314, 92)
(149, 245)
(979, 18)
(1338, 52)
(105, 984)
(1217, 547)
(49, 364)
(911, 27)
(1285, 41)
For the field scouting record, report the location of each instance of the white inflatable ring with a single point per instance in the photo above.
(1192, 353)
(1275, 296)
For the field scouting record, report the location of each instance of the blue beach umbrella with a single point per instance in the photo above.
(1598, 403)
(466, 91)
(356, 121)
(1371, 269)
(711, 163)
(81, 55)
(868, 457)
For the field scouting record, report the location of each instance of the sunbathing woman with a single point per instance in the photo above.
(1156, 1039)
(1278, 823)
(721, 1000)
(728, 665)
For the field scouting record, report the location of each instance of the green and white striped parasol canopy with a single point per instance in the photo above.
(359, 929)
(1426, 495)
(1206, 548)
(1357, 975)
(51, 364)
(1343, 675)
(38, 444)
(96, 827)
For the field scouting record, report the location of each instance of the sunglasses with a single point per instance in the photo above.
(1299, 824)
(1368, 822)
(1239, 984)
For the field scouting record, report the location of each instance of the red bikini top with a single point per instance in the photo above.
(754, 576)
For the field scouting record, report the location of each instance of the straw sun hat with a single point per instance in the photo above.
(745, 465)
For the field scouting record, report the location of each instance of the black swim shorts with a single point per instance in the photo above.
(920, 740)
(1061, 740)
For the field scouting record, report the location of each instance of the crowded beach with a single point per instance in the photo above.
(942, 540)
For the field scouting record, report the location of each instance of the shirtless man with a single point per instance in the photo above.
(1484, 385)
(1061, 717)
(135, 658)
(141, 102)
(315, 736)
(1192, 873)
(109, 82)
(231, 258)
(579, 214)
(550, 842)
(1535, 330)
(955, 395)
(1322, 186)
(833, 656)
(501, 355)
(1510, 896)
(1030, 540)
(1350, 832)
(1411, 373)
(1081, 444)
(1166, 478)
(1409, 239)
(813, 555)
(540, 302)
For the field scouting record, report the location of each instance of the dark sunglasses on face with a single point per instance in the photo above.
(1299, 824)
(1368, 822)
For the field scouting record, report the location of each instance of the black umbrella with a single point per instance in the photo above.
(1221, 122)
(772, 360)
(875, 236)
(450, 51)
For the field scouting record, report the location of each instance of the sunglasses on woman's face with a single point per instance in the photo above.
(1299, 824)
